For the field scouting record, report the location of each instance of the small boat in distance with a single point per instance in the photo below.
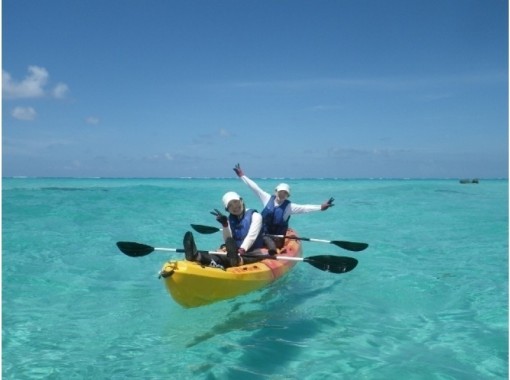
(464, 181)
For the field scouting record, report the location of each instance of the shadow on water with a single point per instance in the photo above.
(271, 349)
(269, 316)
(448, 191)
(278, 334)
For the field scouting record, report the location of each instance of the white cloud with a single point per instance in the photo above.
(60, 91)
(398, 83)
(160, 157)
(24, 113)
(326, 107)
(92, 120)
(32, 86)
(224, 132)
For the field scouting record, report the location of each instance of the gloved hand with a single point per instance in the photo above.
(327, 204)
(241, 251)
(222, 219)
(238, 170)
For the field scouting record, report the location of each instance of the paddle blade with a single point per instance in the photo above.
(334, 264)
(134, 249)
(350, 245)
(204, 229)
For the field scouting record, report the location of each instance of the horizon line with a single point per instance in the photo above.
(264, 178)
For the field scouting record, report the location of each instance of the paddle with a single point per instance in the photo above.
(348, 245)
(137, 249)
(204, 229)
(326, 263)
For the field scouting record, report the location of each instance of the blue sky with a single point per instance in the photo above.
(346, 88)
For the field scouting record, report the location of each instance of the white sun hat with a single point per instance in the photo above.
(230, 196)
(284, 187)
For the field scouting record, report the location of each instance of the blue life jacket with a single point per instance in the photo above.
(272, 217)
(241, 227)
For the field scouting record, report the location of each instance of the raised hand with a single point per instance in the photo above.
(222, 219)
(238, 170)
(327, 204)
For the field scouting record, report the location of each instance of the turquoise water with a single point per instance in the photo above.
(428, 300)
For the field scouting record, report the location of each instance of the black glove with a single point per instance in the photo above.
(327, 204)
(238, 170)
(222, 219)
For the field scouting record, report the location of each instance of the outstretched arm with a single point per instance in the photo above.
(261, 194)
(301, 209)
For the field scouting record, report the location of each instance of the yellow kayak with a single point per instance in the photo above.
(191, 284)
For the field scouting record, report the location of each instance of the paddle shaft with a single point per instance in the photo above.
(286, 258)
(181, 250)
(348, 245)
(302, 238)
(138, 249)
(210, 229)
(334, 264)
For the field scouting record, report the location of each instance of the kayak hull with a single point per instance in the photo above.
(191, 284)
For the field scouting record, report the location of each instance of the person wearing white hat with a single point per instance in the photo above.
(242, 232)
(277, 207)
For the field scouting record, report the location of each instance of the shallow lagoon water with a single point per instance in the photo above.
(428, 300)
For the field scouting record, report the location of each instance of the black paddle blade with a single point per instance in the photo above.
(204, 229)
(334, 264)
(350, 245)
(134, 249)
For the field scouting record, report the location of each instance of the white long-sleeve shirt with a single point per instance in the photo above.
(253, 232)
(265, 197)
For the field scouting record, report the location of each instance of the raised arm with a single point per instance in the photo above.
(261, 194)
(302, 209)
